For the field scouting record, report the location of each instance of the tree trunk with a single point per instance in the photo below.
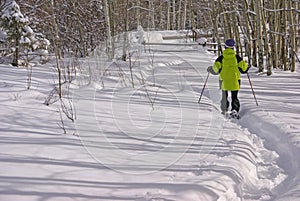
(56, 49)
(292, 43)
(125, 32)
(174, 15)
(16, 53)
(168, 15)
(265, 35)
(179, 16)
(183, 22)
(138, 12)
(151, 18)
(273, 36)
(109, 42)
(247, 32)
(284, 42)
(258, 10)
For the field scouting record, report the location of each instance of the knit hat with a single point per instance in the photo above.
(229, 43)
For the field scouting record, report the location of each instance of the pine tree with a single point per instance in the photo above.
(19, 35)
(13, 22)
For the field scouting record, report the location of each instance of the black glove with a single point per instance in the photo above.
(210, 70)
(244, 72)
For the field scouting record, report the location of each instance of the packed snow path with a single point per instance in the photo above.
(151, 142)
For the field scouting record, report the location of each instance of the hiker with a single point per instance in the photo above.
(229, 66)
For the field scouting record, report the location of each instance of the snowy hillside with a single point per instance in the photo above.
(152, 141)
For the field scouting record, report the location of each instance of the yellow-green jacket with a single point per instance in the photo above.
(229, 66)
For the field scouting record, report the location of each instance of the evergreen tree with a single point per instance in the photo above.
(13, 22)
(19, 34)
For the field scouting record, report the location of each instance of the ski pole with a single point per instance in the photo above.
(203, 88)
(252, 89)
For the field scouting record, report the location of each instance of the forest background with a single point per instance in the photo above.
(266, 31)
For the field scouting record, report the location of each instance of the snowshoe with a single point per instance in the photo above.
(234, 114)
(231, 114)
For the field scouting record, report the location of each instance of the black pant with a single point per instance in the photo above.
(235, 103)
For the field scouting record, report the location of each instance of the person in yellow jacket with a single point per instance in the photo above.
(229, 66)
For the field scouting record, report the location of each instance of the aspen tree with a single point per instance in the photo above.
(265, 36)
(247, 24)
(274, 34)
(292, 38)
(284, 42)
(184, 16)
(109, 41)
(125, 33)
(138, 13)
(173, 15)
(168, 14)
(259, 36)
(151, 13)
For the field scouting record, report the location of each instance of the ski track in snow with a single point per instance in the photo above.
(129, 150)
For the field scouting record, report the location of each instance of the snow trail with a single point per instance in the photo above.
(151, 142)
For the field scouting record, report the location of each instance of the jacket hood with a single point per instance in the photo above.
(229, 52)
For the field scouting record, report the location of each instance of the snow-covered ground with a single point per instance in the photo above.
(153, 141)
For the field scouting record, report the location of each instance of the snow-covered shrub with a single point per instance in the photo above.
(148, 37)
